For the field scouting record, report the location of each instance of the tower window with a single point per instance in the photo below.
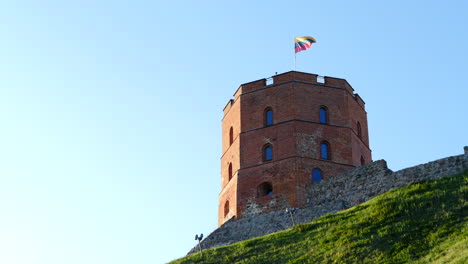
(363, 162)
(226, 208)
(316, 175)
(268, 116)
(230, 171)
(359, 133)
(264, 189)
(231, 136)
(325, 150)
(267, 152)
(323, 115)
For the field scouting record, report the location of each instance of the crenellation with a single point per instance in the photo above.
(295, 76)
(250, 86)
(337, 82)
(359, 101)
(228, 106)
(238, 93)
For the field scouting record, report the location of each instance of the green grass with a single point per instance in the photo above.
(419, 223)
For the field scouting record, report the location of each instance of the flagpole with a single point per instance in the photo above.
(294, 60)
(294, 49)
(303, 43)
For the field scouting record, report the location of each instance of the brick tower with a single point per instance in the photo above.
(279, 137)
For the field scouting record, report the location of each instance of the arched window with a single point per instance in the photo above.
(231, 136)
(316, 175)
(323, 115)
(226, 208)
(268, 116)
(325, 150)
(267, 152)
(230, 171)
(264, 189)
(363, 162)
(359, 133)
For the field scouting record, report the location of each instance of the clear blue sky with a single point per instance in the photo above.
(110, 111)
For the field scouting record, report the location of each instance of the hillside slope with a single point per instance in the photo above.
(419, 223)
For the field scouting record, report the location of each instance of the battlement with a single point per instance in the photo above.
(297, 76)
(294, 76)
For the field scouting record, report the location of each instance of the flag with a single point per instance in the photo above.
(303, 43)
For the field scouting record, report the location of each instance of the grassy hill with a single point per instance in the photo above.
(420, 223)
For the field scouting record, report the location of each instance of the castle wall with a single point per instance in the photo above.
(309, 98)
(359, 140)
(231, 155)
(309, 136)
(278, 136)
(278, 97)
(334, 194)
(359, 150)
(280, 174)
(228, 194)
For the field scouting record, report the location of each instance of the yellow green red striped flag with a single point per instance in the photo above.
(303, 43)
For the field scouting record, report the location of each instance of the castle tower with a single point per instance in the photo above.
(279, 137)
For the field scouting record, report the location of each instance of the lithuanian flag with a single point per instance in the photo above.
(303, 43)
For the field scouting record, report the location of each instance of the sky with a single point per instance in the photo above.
(110, 111)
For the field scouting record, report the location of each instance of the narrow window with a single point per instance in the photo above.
(359, 133)
(268, 116)
(230, 171)
(231, 136)
(226, 208)
(323, 115)
(267, 152)
(325, 150)
(264, 189)
(363, 162)
(316, 175)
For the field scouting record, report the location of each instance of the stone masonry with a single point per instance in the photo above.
(334, 194)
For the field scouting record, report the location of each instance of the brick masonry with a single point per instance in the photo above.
(331, 195)
(295, 136)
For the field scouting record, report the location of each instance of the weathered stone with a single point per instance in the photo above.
(336, 193)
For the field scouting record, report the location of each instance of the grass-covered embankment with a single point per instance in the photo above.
(420, 223)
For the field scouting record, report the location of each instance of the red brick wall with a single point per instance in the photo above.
(231, 155)
(296, 135)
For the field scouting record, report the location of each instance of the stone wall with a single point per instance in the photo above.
(331, 195)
